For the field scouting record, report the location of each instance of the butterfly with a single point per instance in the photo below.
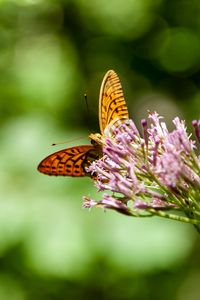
(75, 160)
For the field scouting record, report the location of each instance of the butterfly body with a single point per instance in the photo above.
(75, 160)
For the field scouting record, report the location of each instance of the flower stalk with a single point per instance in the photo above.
(153, 174)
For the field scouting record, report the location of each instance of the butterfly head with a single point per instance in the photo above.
(96, 139)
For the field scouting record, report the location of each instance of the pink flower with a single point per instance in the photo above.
(156, 171)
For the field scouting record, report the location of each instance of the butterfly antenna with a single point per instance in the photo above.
(88, 111)
(86, 101)
(66, 142)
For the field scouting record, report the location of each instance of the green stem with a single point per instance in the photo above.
(174, 217)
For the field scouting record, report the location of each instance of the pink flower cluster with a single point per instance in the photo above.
(157, 170)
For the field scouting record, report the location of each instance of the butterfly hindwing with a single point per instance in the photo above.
(112, 104)
(69, 162)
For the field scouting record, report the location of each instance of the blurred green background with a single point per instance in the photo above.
(51, 53)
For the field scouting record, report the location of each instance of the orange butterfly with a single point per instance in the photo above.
(74, 161)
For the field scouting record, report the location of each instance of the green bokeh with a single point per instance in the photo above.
(179, 51)
(51, 53)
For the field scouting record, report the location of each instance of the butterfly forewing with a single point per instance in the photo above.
(69, 162)
(112, 104)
